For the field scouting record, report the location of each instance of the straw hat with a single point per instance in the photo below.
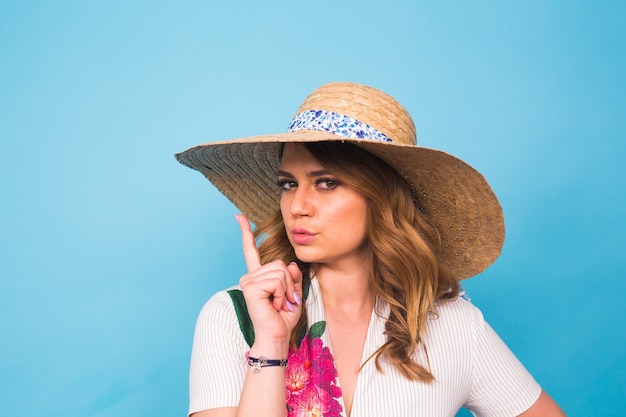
(451, 194)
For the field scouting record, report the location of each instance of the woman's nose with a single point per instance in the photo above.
(301, 203)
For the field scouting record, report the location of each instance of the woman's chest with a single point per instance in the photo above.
(387, 393)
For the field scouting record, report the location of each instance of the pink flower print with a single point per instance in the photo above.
(311, 403)
(311, 378)
(298, 374)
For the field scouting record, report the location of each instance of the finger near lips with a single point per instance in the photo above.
(250, 251)
(281, 296)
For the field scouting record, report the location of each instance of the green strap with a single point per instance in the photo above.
(245, 323)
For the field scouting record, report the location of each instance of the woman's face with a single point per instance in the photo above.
(325, 220)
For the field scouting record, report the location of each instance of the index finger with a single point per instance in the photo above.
(250, 251)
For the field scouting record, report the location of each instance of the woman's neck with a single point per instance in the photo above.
(346, 291)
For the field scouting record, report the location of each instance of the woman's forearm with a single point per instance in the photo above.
(264, 392)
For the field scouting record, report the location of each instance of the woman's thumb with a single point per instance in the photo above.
(296, 275)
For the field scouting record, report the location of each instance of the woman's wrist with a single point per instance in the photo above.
(274, 351)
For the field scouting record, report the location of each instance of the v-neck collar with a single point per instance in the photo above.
(373, 340)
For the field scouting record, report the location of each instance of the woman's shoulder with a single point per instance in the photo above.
(220, 304)
(458, 315)
(459, 305)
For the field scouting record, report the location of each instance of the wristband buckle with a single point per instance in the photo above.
(261, 362)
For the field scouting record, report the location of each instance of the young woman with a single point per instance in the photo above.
(351, 305)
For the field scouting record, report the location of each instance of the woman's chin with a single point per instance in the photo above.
(307, 256)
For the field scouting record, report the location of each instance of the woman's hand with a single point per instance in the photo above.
(273, 294)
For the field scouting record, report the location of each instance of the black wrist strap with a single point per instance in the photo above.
(261, 362)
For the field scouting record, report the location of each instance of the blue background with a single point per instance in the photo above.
(109, 248)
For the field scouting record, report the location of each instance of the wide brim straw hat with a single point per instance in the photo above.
(452, 195)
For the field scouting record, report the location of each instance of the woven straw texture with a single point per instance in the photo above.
(451, 194)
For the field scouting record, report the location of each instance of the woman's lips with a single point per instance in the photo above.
(302, 236)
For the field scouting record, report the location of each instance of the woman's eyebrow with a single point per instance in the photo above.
(317, 173)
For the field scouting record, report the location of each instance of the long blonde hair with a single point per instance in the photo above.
(405, 269)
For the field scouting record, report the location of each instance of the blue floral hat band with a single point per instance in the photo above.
(337, 124)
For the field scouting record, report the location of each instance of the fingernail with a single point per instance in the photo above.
(297, 297)
(290, 306)
(237, 217)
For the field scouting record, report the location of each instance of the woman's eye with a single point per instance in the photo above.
(286, 184)
(327, 183)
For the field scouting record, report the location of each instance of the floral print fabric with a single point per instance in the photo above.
(335, 123)
(311, 378)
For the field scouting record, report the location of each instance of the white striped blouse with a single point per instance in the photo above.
(473, 368)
